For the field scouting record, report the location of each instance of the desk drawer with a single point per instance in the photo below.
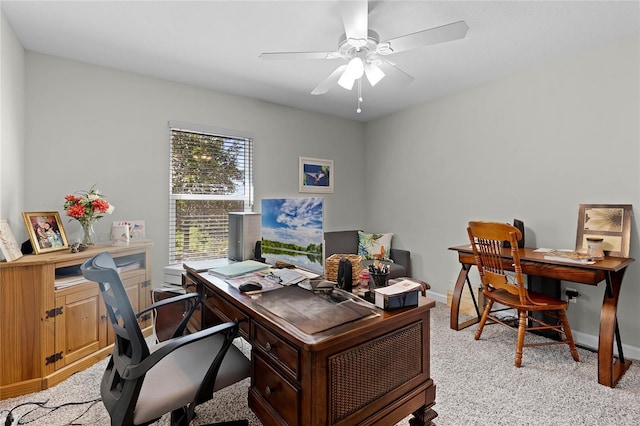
(287, 357)
(228, 312)
(275, 390)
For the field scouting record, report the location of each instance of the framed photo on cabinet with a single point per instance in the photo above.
(45, 231)
(610, 222)
(315, 175)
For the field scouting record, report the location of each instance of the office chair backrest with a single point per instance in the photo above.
(130, 346)
(487, 240)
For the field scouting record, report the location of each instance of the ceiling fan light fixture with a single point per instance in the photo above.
(355, 70)
(374, 74)
(346, 81)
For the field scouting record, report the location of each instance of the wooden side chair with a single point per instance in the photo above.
(487, 241)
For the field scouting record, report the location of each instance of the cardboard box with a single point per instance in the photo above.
(403, 294)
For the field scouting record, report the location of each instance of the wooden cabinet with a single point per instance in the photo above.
(53, 322)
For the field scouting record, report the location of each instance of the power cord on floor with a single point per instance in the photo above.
(9, 421)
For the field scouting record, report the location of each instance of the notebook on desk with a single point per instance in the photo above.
(205, 265)
(239, 268)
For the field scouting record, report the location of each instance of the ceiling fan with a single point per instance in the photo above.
(363, 52)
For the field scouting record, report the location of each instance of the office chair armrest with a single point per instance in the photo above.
(132, 372)
(170, 300)
(179, 331)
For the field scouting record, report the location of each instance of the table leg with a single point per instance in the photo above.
(610, 369)
(423, 417)
(463, 277)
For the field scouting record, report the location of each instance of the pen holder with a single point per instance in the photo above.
(379, 280)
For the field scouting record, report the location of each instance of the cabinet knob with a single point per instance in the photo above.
(103, 318)
(267, 347)
(268, 391)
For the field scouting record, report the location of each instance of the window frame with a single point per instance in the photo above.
(247, 197)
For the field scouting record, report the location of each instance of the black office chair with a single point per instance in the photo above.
(139, 386)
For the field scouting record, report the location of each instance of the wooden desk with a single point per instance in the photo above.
(370, 371)
(611, 270)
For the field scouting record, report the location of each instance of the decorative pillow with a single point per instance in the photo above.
(374, 246)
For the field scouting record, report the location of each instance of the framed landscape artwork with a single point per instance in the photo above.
(611, 222)
(315, 175)
(45, 231)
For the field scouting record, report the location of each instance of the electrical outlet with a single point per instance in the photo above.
(572, 295)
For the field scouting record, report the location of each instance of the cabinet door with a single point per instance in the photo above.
(80, 326)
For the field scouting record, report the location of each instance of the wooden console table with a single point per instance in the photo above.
(370, 371)
(53, 321)
(611, 270)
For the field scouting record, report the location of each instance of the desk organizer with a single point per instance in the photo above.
(390, 302)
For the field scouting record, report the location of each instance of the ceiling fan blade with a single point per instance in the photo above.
(355, 17)
(330, 81)
(276, 56)
(390, 69)
(448, 32)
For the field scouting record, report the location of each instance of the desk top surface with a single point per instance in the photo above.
(529, 254)
(249, 304)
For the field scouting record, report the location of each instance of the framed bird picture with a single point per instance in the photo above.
(316, 175)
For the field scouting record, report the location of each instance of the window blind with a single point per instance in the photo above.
(211, 174)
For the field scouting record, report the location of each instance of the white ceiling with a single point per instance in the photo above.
(215, 44)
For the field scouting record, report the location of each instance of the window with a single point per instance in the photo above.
(211, 174)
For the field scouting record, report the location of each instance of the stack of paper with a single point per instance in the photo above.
(289, 276)
(569, 256)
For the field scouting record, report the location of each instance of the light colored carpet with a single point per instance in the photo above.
(476, 382)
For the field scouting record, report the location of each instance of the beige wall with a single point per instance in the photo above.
(12, 128)
(531, 146)
(94, 125)
(540, 142)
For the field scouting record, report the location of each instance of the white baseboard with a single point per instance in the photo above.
(587, 340)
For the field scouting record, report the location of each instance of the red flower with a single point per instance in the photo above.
(100, 205)
(76, 211)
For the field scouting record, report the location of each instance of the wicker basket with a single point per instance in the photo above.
(331, 266)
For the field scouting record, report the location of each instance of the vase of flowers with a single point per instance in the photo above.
(87, 207)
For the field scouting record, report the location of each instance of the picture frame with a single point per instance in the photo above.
(45, 231)
(611, 222)
(8, 244)
(315, 175)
